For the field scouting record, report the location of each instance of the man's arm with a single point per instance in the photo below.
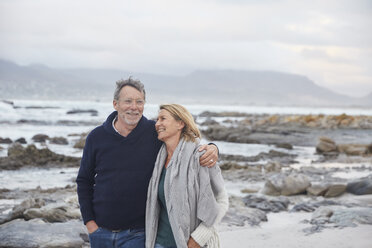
(210, 157)
(85, 182)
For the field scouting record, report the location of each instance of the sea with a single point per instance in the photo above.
(26, 118)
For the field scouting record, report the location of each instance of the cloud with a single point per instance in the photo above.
(177, 36)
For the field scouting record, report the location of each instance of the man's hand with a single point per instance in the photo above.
(192, 243)
(91, 226)
(210, 157)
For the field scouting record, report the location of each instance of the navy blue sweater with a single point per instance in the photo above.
(114, 174)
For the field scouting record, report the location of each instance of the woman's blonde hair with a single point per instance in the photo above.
(190, 131)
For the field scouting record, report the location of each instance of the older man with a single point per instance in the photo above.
(115, 170)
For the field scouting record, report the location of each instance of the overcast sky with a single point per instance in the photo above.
(329, 41)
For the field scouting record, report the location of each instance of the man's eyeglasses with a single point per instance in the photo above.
(129, 102)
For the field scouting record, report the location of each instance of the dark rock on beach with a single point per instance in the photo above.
(19, 156)
(5, 141)
(21, 140)
(40, 138)
(80, 143)
(33, 122)
(275, 205)
(92, 112)
(58, 141)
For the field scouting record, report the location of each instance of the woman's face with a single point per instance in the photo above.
(168, 127)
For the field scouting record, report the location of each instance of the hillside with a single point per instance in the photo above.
(213, 87)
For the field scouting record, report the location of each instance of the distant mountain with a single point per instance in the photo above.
(212, 87)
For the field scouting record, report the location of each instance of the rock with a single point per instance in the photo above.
(209, 122)
(52, 213)
(353, 149)
(321, 215)
(344, 217)
(228, 165)
(36, 233)
(5, 141)
(239, 134)
(247, 215)
(335, 190)
(369, 149)
(33, 122)
(268, 205)
(58, 141)
(284, 145)
(18, 156)
(317, 189)
(312, 206)
(81, 142)
(360, 187)
(40, 138)
(92, 112)
(326, 145)
(272, 167)
(281, 184)
(341, 216)
(15, 150)
(306, 207)
(21, 140)
(238, 214)
(18, 210)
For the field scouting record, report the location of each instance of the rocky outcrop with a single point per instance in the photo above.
(80, 143)
(327, 146)
(335, 190)
(40, 138)
(239, 214)
(37, 233)
(5, 141)
(281, 184)
(21, 140)
(19, 156)
(275, 205)
(18, 210)
(313, 121)
(58, 141)
(338, 217)
(360, 187)
(52, 213)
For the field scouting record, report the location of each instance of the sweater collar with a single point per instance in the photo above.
(109, 126)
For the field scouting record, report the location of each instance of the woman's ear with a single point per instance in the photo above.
(181, 125)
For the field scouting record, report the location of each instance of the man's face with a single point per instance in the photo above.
(130, 105)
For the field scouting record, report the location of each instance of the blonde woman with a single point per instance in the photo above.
(185, 201)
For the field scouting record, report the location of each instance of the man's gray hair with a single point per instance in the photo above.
(129, 82)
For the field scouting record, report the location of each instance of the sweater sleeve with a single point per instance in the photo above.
(85, 182)
(204, 232)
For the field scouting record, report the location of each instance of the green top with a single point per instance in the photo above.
(164, 236)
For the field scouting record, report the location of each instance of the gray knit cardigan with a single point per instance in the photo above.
(190, 191)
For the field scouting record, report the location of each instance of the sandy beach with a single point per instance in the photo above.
(285, 230)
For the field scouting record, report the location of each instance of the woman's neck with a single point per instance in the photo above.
(171, 145)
